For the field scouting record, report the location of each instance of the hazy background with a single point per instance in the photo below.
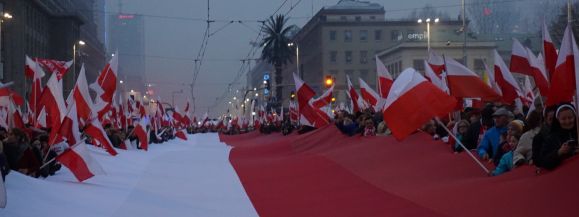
(174, 31)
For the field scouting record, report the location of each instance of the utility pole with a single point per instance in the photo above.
(464, 32)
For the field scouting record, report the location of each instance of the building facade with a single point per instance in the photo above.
(342, 40)
(46, 29)
(126, 35)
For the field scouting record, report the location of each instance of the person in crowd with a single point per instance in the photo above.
(461, 134)
(4, 168)
(430, 128)
(22, 156)
(490, 144)
(548, 117)
(561, 143)
(524, 151)
(475, 130)
(382, 129)
(506, 161)
(369, 128)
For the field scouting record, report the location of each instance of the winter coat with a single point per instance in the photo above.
(491, 142)
(524, 151)
(549, 156)
(505, 164)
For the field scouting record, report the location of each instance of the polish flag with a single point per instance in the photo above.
(105, 85)
(95, 130)
(464, 83)
(539, 73)
(436, 62)
(82, 98)
(519, 59)
(69, 127)
(15, 119)
(54, 66)
(80, 162)
(414, 101)
(353, 95)
(490, 80)
(309, 115)
(563, 80)
(35, 72)
(528, 95)
(141, 133)
(549, 51)
(433, 78)
(41, 120)
(205, 119)
(385, 79)
(324, 99)
(370, 96)
(53, 102)
(504, 78)
(181, 135)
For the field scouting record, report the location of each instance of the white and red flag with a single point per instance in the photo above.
(549, 51)
(309, 115)
(370, 96)
(36, 73)
(53, 102)
(519, 59)
(539, 73)
(414, 101)
(324, 99)
(80, 162)
(385, 79)
(141, 132)
(106, 85)
(509, 87)
(95, 130)
(563, 79)
(353, 96)
(55, 66)
(436, 62)
(464, 83)
(82, 98)
(431, 76)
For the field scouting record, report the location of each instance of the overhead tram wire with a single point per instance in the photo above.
(252, 52)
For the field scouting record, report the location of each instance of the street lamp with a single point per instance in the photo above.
(291, 44)
(80, 43)
(428, 21)
(7, 16)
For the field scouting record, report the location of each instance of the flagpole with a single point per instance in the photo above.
(53, 159)
(461, 145)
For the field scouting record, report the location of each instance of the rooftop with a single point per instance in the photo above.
(355, 5)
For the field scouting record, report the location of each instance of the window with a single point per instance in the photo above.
(348, 57)
(332, 35)
(364, 57)
(358, 18)
(377, 35)
(333, 56)
(479, 65)
(364, 75)
(348, 35)
(395, 35)
(418, 65)
(363, 35)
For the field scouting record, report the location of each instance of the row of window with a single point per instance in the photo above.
(348, 57)
(363, 35)
(354, 75)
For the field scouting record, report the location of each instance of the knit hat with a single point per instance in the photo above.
(518, 124)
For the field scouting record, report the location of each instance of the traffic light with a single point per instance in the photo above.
(328, 81)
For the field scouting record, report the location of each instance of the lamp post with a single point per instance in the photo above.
(5, 16)
(80, 43)
(428, 21)
(291, 44)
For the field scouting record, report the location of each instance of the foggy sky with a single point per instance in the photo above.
(172, 43)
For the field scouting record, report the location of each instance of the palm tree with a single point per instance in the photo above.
(275, 48)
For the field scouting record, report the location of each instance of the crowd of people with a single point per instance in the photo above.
(498, 134)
